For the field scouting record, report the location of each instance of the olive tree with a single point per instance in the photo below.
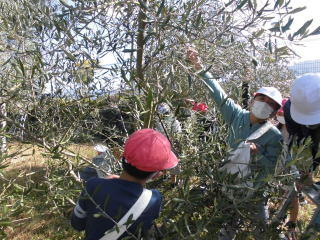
(63, 59)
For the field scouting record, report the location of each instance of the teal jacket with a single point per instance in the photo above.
(240, 128)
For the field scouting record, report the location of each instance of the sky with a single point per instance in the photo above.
(308, 48)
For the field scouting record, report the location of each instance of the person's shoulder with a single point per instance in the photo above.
(156, 196)
(156, 193)
(275, 132)
(156, 199)
(287, 115)
(101, 156)
(244, 111)
(95, 182)
(293, 127)
(242, 114)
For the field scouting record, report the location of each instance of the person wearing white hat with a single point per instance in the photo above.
(302, 117)
(167, 122)
(302, 111)
(104, 160)
(168, 125)
(305, 98)
(103, 163)
(264, 150)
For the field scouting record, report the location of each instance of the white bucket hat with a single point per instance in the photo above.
(305, 99)
(272, 93)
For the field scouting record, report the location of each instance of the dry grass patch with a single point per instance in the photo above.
(45, 226)
(29, 192)
(29, 156)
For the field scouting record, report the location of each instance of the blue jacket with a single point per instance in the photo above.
(115, 197)
(269, 144)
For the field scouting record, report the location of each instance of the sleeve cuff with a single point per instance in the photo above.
(79, 212)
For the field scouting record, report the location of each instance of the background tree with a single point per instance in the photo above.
(62, 60)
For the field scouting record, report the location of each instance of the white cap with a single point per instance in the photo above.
(305, 99)
(100, 148)
(272, 93)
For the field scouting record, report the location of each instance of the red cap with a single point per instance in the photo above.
(200, 107)
(149, 151)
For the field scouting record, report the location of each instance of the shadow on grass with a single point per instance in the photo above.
(38, 203)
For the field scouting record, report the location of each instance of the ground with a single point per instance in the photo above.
(35, 217)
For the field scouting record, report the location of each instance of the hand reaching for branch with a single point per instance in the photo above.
(193, 57)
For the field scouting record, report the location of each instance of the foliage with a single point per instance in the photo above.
(62, 59)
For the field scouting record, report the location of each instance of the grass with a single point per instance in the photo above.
(43, 226)
(32, 220)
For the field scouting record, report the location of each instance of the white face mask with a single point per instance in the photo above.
(261, 110)
(281, 119)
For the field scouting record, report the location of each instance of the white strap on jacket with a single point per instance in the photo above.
(260, 131)
(239, 159)
(136, 210)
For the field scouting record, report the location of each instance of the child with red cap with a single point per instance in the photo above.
(121, 207)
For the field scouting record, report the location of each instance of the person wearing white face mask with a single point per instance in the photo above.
(282, 122)
(265, 149)
(266, 102)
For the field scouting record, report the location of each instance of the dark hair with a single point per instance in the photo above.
(133, 171)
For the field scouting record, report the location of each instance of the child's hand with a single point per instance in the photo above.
(253, 148)
(112, 176)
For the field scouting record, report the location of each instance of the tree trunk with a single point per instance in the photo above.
(245, 95)
(140, 43)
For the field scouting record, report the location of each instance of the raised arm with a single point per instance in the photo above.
(229, 109)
